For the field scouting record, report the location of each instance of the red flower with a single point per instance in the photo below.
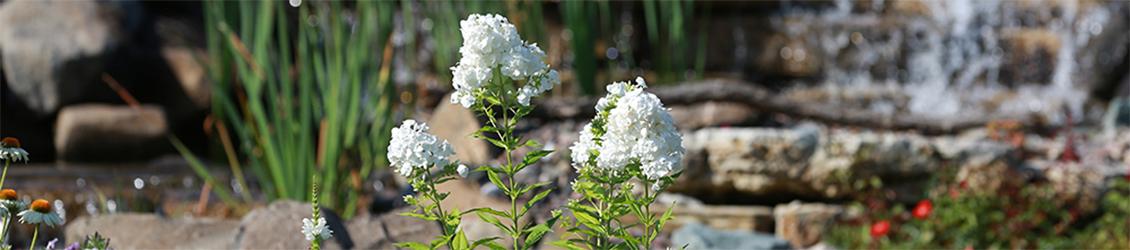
(881, 228)
(923, 209)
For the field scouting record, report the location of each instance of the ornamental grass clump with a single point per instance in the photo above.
(632, 142)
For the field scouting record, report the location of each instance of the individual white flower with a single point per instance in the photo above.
(41, 212)
(316, 229)
(10, 150)
(636, 129)
(295, 3)
(491, 42)
(413, 150)
(463, 170)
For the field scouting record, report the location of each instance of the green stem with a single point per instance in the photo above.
(5, 175)
(7, 227)
(434, 196)
(34, 236)
(647, 218)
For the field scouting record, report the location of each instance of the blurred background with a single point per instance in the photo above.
(182, 123)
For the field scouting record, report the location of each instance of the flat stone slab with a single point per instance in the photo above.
(149, 231)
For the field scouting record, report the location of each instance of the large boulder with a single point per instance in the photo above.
(150, 231)
(279, 226)
(384, 231)
(54, 51)
(806, 161)
(803, 225)
(99, 132)
(455, 124)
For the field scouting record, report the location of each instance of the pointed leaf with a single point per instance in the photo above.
(413, 245)
(535, 233)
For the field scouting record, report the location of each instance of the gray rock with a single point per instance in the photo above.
(807, 161)
(149, 231)
(697, 236)
(455, 124)
(803, 225)
(279, 226)
(54, 51)
(98, 132)
(1117, 115)
(740, 218)
(384, 231)
(710, 114)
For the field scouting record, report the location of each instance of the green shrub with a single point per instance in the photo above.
(1018, 215)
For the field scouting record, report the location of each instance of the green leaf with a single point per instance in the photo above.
(460, 241)
(587, 219)
(493, 100)
(413, 245)
(530, 203)
(666, 216)
(492, 211)
(489, 218)
(497, 143)
(535, 156)
(536, 232)
(419, 216)
(566, 244)
(493, 176)
(486, 241)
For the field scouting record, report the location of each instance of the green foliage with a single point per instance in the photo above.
(607, 196)
(1019, 215)
(95, 241)
(428, 207)
(502, 110)
(667, 31)
(302, 96)
(1112, 229)
(605, 199)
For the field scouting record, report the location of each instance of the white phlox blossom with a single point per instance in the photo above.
(637, 128)
(412, 149)
(463, 170)
(316, 229)
(491, 42)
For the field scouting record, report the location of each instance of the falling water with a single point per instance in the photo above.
(955, 58)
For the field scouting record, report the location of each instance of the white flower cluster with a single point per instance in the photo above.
(490, 42)
(635, 128)
(413, 149)
(316, 229)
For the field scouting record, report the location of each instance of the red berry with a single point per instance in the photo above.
(881, 228)
(923, 209)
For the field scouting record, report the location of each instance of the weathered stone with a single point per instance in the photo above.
(805, 161)
(384, 231)
(279, 225)
(54, 51)
(1031, 56)
(697, 236)
(455, 124)
(99, 132)
(803, 225)
(190, 73)
(738, 218)
(149, 231)
(710, 114)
